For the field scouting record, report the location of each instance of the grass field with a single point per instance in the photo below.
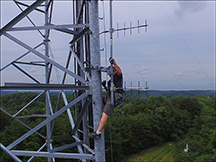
(162, 153)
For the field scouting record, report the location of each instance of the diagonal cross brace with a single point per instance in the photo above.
(23, 4)
(20, 16)
(39, 126)
(23, 71)
(9, 153)
(82, 80)
(81, 11)
(80, 64)
(21, 122)
(20, 57)
(66, 146)
(68, 31)
(85, 106)
(78, 36)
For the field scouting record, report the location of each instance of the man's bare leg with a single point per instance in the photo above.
(103, 122)
(101, 126)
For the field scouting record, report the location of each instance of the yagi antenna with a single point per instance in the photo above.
(138, 88)
(145, 25)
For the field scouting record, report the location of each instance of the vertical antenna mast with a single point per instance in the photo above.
(111, 53)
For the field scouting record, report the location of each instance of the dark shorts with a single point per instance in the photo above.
(108, 108)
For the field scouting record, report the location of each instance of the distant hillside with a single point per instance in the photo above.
(143, 94)
(169, 94)
(7, 92)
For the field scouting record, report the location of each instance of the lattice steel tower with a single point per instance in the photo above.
(81, 69)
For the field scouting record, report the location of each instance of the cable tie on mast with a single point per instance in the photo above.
(46, 40)
(117, 29)
(111, 30)
(130, 28)
(124, 28)
(146, 25)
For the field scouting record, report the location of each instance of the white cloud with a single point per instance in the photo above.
(189, 7)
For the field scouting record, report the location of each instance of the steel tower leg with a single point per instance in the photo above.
(47, 71)
(96, 77)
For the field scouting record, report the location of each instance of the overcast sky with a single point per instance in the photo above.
(176, 53)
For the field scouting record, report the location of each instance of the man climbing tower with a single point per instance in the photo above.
(108, 107)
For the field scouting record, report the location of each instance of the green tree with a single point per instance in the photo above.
(201, 136)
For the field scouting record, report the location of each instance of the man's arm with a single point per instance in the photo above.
(118, 69)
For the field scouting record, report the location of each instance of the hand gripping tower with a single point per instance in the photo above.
(80, 74)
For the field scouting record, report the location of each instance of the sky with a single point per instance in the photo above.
(177, 52)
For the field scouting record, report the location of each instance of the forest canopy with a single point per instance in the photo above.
(139, 124)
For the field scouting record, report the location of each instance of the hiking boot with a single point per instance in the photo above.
(94, 135)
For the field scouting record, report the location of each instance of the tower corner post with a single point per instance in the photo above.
(96, 78)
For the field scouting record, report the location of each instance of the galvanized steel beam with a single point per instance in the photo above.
(82, 112)
(20, 16)
(66, 146)
(96, 77)
(31, 86)
(53, 155)
(46, 121)
(10, 153)
(45, 58)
